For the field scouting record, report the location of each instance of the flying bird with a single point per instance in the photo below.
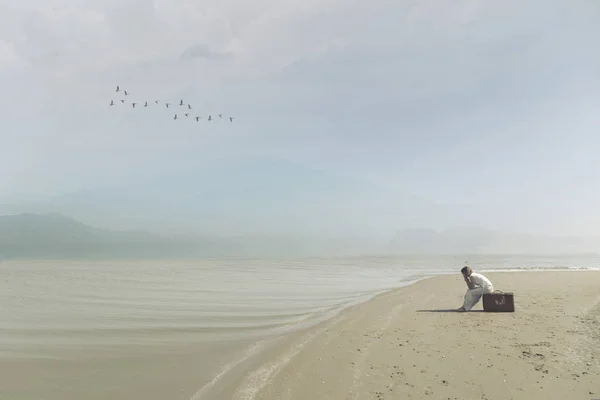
(112, 103)
(220, 115)
(181, 103)
(146, 104)
(126, 94)
(189, 107)
(175, 117)
(186, 114)
(167, 105)
(197, 119)
(210, 117)
(123, 101)
(118, 89)
(133, 104)
(156, 101)
(230, 119)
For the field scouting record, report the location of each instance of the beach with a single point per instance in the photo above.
(294, 329)
(408, 344)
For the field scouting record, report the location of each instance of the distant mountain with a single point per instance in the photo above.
(246, 198)
(483, 241)
(55, 227)
(57, 236)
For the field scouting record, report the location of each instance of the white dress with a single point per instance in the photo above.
(482, 286)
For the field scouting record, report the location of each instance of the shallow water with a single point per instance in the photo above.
(164, 329)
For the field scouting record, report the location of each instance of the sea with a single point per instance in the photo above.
(171, 329)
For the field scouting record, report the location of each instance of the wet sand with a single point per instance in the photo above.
(405, 344)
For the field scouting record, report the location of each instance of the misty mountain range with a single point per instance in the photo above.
(252, 197)
(464, 240)
(58, 236)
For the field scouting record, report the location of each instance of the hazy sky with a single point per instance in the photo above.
(488, 109)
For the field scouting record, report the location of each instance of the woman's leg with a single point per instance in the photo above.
(472, 297)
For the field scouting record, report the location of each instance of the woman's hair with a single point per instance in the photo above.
(468, 270)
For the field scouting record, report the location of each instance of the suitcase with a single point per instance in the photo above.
(499, 302)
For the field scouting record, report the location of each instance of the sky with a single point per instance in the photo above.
(446, 112)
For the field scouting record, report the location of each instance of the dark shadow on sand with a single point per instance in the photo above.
(450, 310)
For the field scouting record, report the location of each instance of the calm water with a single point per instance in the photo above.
(163, 330)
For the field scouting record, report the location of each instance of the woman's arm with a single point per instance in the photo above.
(470, 284)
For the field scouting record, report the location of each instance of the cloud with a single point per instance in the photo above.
(8, 57)
(201, 51)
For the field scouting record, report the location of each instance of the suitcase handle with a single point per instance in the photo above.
(501, 292)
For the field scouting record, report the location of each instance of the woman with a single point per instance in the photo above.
(478, 286)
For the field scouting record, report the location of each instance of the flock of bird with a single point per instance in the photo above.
(187, 108)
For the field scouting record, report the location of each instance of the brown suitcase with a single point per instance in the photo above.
(499, 302)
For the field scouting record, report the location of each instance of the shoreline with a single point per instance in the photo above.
(263, 345)
(290, 365)
(256, 350)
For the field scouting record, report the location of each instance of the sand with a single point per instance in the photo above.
(402, 345)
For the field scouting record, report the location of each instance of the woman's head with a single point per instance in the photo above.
(466, 271)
